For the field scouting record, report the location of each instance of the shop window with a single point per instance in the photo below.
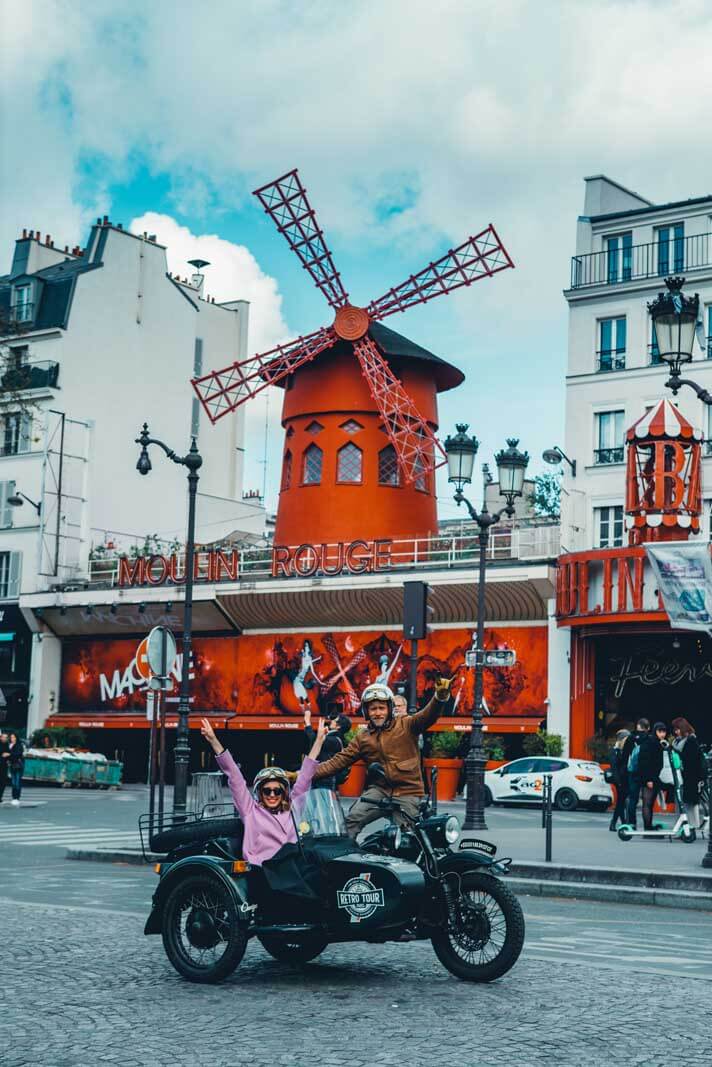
(287, 470)
(609, 437)
(349, 463)
(388, 473)
(609, 526)
(311, 471)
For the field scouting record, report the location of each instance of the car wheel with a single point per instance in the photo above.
(566, 800)
(488, 797)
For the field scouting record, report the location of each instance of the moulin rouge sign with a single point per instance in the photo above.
(302, 561)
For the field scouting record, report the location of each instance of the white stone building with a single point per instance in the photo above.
(94, 342)
(625, 247)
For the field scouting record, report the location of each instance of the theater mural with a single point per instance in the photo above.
(281, 674)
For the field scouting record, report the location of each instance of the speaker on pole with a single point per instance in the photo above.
(415, 610)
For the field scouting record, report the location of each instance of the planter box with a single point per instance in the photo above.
(448, 776)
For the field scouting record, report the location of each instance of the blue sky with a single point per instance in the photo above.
(412, 124)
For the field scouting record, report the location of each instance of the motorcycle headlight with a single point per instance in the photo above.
(452, 829)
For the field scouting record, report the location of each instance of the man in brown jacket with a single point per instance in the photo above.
(393, 743)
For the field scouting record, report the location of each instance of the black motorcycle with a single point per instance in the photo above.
(401, 884)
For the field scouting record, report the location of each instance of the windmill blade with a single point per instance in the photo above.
(478, 257)
(415, 443)
(285, 201)
(221, 391)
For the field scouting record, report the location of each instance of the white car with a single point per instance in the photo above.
(573, 783)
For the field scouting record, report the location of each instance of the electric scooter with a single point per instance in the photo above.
(681, 831)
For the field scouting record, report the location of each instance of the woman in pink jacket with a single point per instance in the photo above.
(265, 810)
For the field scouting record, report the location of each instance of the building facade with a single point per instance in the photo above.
(624, 659)
(96, 340)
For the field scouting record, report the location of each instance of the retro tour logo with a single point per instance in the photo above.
(360, 898)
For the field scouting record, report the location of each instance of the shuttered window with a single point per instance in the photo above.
(7, 489)
(10, 572)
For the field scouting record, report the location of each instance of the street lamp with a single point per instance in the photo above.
(674, 318)
(17, 500)
(511, 466)
(193, 461)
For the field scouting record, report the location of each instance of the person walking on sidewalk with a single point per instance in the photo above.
(693, 768)
(17, 767)
(619, 776)
(650, 764)
(631, 755)
(4, 763)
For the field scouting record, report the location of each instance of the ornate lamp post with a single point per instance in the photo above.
(511, 466)
(193, 461)
(674, 316)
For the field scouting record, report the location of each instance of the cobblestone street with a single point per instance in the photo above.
(87, 987)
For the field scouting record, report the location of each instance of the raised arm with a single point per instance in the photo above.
(423, 720)
(309, 766)
(241, 795)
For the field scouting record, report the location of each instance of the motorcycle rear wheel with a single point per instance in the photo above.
(489, 935)
(296, 950)
(202, 936)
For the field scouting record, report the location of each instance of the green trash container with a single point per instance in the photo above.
(102, 774)
(72, 770)
(115, 771)
(87, 772)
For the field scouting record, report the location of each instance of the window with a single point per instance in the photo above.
(6, 489)
(16, 437)
(671, 248)
(612, 342)
(709, 332)
(287, 470)
(314, 427)
(349, 462)
(421, 481)
(22, 305)
(620, 257)
(311, 472)
(520, 766)
(609, 526)
(388, 466)
(10, 569)
(609, 437)
(351, 426)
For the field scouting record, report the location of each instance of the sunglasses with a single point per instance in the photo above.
(268, 792)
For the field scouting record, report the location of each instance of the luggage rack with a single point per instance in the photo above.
(152, 827)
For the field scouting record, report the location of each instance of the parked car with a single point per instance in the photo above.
(574, 783)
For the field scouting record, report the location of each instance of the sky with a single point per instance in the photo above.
(413, 125)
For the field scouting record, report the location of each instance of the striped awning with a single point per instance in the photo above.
(663, 420)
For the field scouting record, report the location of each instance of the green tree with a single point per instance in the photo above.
(546, 495)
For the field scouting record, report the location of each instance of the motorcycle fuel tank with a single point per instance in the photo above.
(366, 891)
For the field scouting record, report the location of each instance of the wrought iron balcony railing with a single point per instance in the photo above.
(608, 455)
(612, 359)
(654, 260)
(43, 374)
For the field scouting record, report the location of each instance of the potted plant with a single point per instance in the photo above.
(443, 748)
(543, 744)
(354, 784)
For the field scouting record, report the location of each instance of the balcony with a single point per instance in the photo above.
(610, 360)
(41, 375)
(654, 260)
(602, 456)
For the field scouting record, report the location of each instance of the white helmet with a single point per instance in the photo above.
(270, 774)
(377, 691)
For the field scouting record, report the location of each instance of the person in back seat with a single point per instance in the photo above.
(265, 810)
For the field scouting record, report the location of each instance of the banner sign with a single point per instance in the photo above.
(684, 573)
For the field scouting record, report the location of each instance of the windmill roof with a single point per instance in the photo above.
(663, 420)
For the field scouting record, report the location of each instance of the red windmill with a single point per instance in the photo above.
(417, 450)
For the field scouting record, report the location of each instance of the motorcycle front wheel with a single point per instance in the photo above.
(202, 936)
(484, 940)
(295, 950)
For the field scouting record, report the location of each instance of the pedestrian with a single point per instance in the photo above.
(17, 767)
(337, 727)
(650, 764)
(400, 706)
(619, 776)
(4, 763)
(633, 748)
(693, 768)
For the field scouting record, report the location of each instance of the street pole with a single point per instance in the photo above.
(193, 461)
(475, 761)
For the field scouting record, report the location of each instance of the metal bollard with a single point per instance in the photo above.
(434, 791)
(548, 816)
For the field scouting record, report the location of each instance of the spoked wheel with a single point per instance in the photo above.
(485, 931)
(201, 934)
(296, 949)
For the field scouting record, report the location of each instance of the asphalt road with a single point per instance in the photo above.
(81, 983)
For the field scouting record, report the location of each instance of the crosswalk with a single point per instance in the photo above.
(57, 835)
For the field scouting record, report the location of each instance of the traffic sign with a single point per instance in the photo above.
(161, 651)
(142, 665)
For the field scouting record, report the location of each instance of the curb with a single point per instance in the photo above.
(109, 855)
(613, 894)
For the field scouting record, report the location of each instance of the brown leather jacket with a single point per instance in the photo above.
(394, 746)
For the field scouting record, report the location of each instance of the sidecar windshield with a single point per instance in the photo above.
(318, 813)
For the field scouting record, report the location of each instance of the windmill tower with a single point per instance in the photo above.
(360, 449)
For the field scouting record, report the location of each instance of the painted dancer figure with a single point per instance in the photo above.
(306, 668)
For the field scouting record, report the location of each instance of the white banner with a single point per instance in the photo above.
(684, 574)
